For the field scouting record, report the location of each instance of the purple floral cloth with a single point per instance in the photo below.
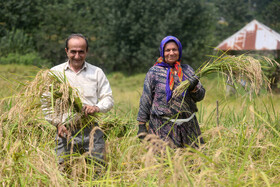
(154, 107)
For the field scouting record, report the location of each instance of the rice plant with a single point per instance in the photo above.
(243, 150)
(49, 92)
(237, 69)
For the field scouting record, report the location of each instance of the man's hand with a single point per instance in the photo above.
(62, 131)
(90, 110)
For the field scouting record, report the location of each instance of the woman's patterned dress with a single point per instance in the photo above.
(154, 108)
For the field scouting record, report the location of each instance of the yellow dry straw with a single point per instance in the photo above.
(58, 96)
(237, 68)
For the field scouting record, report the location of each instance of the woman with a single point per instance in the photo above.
(171, 118)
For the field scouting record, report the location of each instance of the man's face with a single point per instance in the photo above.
(171, 53)
(76, 52)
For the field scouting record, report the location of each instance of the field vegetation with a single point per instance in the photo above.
(241, 131)
(242, 141)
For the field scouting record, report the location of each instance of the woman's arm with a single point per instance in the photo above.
(146, 100)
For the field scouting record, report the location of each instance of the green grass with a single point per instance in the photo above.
(243, 150)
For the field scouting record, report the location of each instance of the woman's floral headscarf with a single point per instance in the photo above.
(170, 70)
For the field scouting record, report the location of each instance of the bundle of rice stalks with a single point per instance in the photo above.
(237, 69)
(49, 95)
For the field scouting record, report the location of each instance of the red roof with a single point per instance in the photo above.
(254, 36)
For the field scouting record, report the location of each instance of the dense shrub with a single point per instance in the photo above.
(31, 58)
(16, 41)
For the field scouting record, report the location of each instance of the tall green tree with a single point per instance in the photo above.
(271, 15)
(24, 15)
(61, 19)
(259, 6)
(132, 31)
(231, 15)
(46, 23)
(123, 35)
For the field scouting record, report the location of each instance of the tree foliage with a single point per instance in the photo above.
(232, 15)
(125, 35)
(272, 15)
(23, 15)
(135, 29)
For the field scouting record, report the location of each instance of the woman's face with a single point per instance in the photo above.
(171, 53)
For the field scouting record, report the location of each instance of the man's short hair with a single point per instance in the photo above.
(76, 36)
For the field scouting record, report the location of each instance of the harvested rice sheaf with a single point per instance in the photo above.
(236, 69)
(50, 95)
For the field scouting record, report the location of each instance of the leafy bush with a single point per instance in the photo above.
(17, 48)
(16, 41)
(31, 58)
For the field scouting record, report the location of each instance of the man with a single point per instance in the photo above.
(95, 93)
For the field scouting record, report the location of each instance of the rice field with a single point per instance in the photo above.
(242, 142)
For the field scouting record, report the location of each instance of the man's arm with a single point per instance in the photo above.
(104, 94)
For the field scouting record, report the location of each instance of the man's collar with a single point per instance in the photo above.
(67, 66)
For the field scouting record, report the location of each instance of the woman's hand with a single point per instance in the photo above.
(143, 131)
(193, 83)
(90, 110)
